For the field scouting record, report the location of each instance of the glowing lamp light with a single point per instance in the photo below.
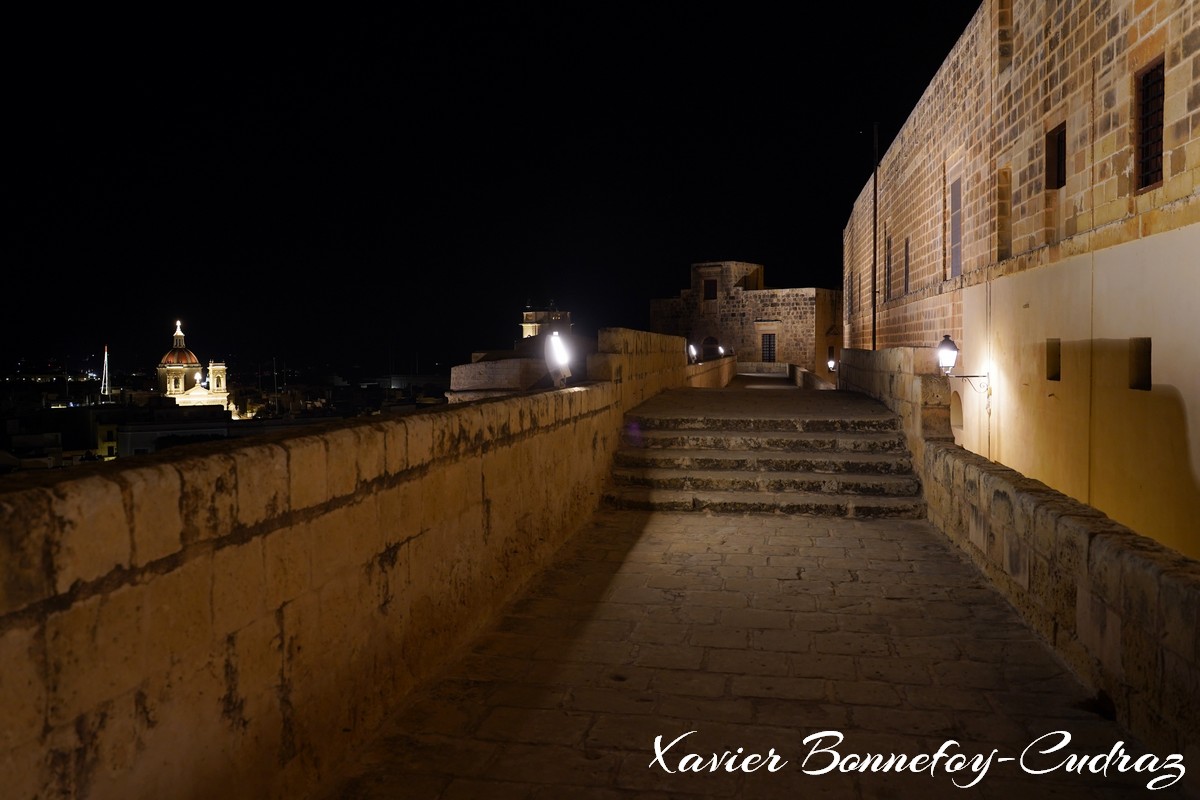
(832, 364)
(721, 350)
(692, 353)
(559, 350)
(947, 354)
(557, 359)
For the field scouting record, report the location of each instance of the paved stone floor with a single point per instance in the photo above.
(751, 634)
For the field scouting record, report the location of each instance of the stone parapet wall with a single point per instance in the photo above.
(1119, 608)
(231, 619)
(1122, 610)
(764, 367)
(712, 374)
(908, 381)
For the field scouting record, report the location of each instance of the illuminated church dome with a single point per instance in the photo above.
(179, 355)
(181, 377)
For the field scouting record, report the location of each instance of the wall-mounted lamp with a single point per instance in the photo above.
(948, 354)
(691, 354)
(832, 362)
(558, 359)
(721, 351)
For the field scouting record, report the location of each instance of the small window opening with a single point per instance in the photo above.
(1150, 127)
(1054, 359)
(1056, 157)
(1139, 364)
(768, 347)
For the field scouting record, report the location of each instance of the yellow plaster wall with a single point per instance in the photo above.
(1145, 458)
(1133, 454)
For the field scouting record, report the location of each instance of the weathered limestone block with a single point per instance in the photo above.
(287, 555)
(514, 374)
(92, 534)
(26, 575)
(395, 444)
(308, 484)
(210, 494)
(457, 432)
(420, 438)
(1016, 558)
(1179, 609)
(239, 586)
(154, 506)
(22, 687)
(95, 651)
(1070, 539)
(177, 609)
(1098, 620)
(345, 452)
(262, 483)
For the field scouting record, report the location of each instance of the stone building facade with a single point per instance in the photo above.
(181, 377)
(728, 306)
(1040, 207)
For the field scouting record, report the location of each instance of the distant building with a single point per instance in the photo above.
(497, 373)
(729, 310)
(181, 377)
(535, 321)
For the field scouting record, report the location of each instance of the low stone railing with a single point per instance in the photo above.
(1121, 609)
(231, 619)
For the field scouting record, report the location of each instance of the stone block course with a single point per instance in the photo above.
(157, 526)
(262, 483)
(307, 473)
(91, 536)
(25, 537)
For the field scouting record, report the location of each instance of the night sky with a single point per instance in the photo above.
(391, 187)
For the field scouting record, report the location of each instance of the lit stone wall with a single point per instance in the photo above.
(1120, 608)
(1059, 287)
(734, 319)
(230, 619)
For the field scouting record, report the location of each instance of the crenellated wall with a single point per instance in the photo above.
(1120, 608)
(230, 619)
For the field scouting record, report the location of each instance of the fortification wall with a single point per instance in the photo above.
(1118, 607)
(230, 619)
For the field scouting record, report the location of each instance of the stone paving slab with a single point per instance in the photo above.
(813, 643)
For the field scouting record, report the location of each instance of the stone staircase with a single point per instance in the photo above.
(846, 457)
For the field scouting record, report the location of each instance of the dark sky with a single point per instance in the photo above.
(378, 186)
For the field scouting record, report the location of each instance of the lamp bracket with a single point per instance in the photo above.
(970, 379)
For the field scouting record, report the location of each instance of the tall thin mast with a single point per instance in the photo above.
(105, 390)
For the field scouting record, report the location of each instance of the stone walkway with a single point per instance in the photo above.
(751, 634)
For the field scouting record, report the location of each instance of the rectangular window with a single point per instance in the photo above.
(1139, 364)
(1054, 359)
(887, 268)
(1150, 127)
(1004, 214)
(710, 288)
(1004, 21)
(768, 347)
(906, 265)
(1056, 157)
(956, 227)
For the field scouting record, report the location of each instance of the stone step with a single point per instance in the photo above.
(888, 463)
(787, 441)
(805, 503)
(878, 485)
(862, 422)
